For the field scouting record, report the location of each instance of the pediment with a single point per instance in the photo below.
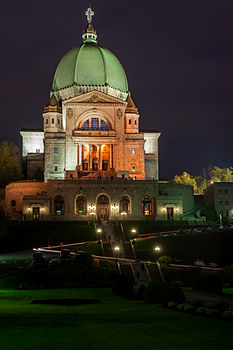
(95, 97)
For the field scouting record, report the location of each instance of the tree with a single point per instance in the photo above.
(10, 168)
(186, 179)
(217, 174)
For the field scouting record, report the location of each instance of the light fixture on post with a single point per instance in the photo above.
(157, 251)
(117, 250)
(114, 208)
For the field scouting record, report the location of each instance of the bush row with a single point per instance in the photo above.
(202, 310)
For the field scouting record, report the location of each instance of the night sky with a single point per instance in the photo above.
(177, 55)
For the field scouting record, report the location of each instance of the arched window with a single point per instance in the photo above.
(95, 124)
(102, 199)
(104, 126)
(85, 125)
(13, 203)
(147, 205)
(81, 205)
(59, 205)
(124, 204)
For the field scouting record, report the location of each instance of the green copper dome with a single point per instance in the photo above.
(90, 65)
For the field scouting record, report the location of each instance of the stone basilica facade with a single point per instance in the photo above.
(96, 162)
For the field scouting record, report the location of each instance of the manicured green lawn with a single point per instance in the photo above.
(42, 233)
(228, 291)
(211, 247)
(114, 324)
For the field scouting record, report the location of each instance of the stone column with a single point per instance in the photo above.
(110, 156)
(90, 157)
(100, 158)
(79, 155)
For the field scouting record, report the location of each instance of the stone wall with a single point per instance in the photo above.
(177, 196)
(15, 192)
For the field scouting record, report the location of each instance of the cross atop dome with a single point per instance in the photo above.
(89, 13)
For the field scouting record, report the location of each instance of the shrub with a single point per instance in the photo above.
(209, 283)
(212, 312)
(158, 292)
(122, 286)
(172, 305)
(164, 261)
(162, 292)
(176, 294)
(141, 291)
(201, 310)
(189, 308)
(227, 315)
(181, 307)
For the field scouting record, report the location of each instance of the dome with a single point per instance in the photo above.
(90, 65)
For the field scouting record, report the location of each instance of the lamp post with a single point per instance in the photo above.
(98, 232)
(157, 251)
(114, 207)
(117, 250)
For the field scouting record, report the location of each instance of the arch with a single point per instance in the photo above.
(93, 114)
(147, 206)
(125, 204)
(58, 205)
(103, 206)
(80, 205)
(103, 199)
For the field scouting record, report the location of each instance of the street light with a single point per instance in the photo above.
(133, 230)
(117, 250)
(157, 251)
(99, 230)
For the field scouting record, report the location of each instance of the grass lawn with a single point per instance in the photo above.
(38, 234)
(228, 291)
(211, 247)
(114, 324)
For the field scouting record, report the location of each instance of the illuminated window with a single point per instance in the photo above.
(94, 124)
(129, 121)
(133, 168)
(55, 150)
(133, 151)
(81, 205)
(85, 125)
(58, 205)
(104, 126)
(147, 206)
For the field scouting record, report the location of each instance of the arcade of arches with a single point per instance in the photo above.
(102, 209)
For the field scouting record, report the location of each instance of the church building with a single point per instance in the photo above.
(95, 161)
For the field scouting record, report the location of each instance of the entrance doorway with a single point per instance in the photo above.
(36, 213)
(170, 213)
(103, 207)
